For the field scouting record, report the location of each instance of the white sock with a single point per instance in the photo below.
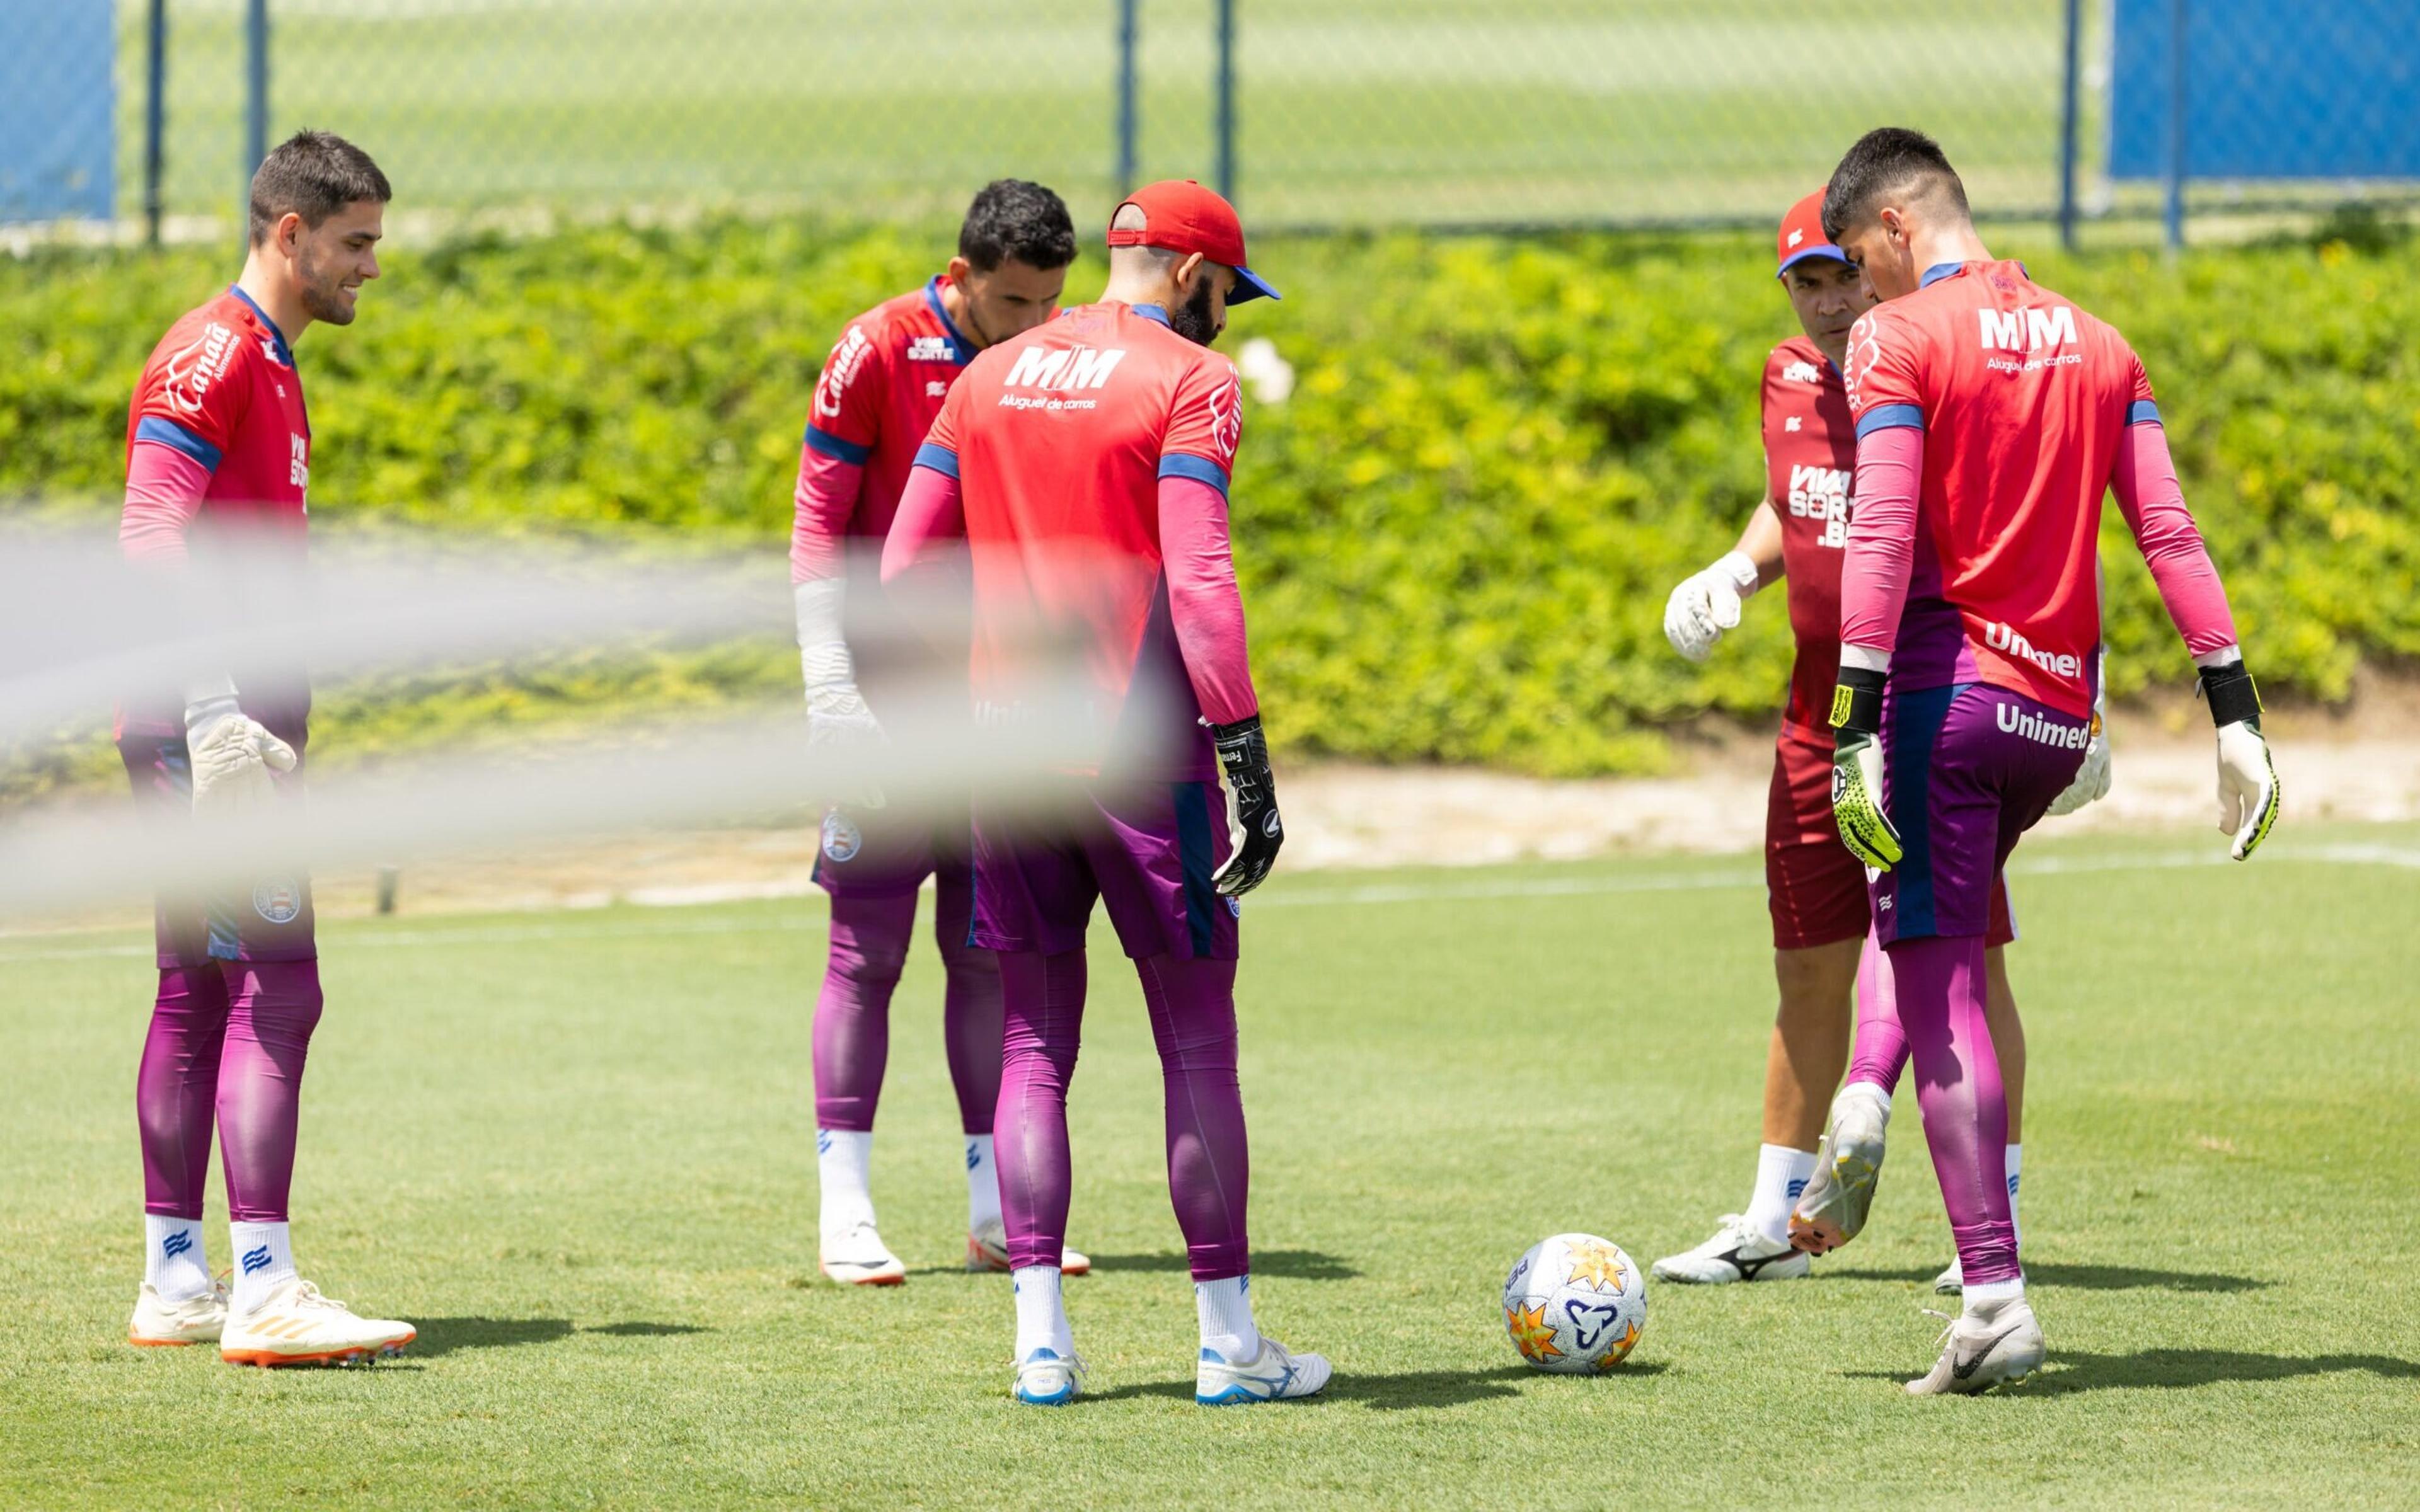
(2016, 1169)
(1990, 1297)
(174, 1259)
(983, 1183)
(1041, 1312)
(264, 1260)
(1225, 1308)
(1875, 1093)
(843, 1161)
(1781, 1174)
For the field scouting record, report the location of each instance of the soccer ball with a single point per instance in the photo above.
(1574, 1304)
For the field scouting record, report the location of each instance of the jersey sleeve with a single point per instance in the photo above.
(846, 420)
(1205, 424)
(2142, 406)
(192, 398)
(1882, 374)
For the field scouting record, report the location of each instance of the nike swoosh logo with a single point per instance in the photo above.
(1974, 1361)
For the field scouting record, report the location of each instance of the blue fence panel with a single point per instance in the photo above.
(2274, 89)
(58, 104)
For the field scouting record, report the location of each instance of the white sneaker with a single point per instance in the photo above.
(1274, 1376)
(1997, 1346)
(1833, 1208)
(1044, 1379)
(1738, 1252)
(195, 1320)
(298, 1326)
(988, 1250)
(1951, 1282)
(858, 1257)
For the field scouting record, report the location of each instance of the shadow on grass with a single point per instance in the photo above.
(1293, 1264)
(1408, 1390)
(2086, 1278)
(444, 1335)
(2073, 1370)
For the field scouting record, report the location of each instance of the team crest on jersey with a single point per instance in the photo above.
(1801, 372)
(932, 349)
(842, 839)
(278, 900)
(186, 377)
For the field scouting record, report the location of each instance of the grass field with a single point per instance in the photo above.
(1351, 110)
(576, 1148)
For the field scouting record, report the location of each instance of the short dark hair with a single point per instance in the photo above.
(312, 175)
(1885, 161)
(1010, 218)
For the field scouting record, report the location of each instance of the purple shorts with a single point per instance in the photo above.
(1968, 769)
(269, 919)
(1146, 849)
(880, 853)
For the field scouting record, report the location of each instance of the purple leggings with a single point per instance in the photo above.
(852, 1036)
(227, 1039)
(1192, 1006)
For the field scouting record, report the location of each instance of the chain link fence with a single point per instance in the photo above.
(1318, 112)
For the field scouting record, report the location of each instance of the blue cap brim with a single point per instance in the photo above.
(1251, 285)
(1820, 250)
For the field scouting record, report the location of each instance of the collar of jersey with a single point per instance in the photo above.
(1938, 272)
(959, 350)
(276, 337)
(1151, 311)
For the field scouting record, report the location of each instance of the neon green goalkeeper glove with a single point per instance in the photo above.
(1858, 768)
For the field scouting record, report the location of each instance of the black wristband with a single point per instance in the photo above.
(2233, 699)
(1857, 701)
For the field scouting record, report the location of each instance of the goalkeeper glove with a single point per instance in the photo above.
(2091, 778)
(232, 756)
(2248, 791)
(1708, 603)
(1254, 832)
(1858, 768)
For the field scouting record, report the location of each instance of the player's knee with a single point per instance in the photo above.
(870, 964)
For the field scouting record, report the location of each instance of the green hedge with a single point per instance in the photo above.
(1456, 536)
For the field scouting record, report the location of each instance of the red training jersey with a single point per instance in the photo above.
(222, 388)
(880, 389)
(2023, 399)
(1810, 455)
(1059, 438)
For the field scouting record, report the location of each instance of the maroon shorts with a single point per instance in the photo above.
(879, 853)
(266, 919)
(1814, 888)
(1147, 850)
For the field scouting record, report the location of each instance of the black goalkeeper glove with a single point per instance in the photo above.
(1253, 830)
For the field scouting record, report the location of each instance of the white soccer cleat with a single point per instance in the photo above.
(195, 1320)
(1833, 1208)
(858, 1257)
(1951, 1282)
(1274, 1375)
(988, 1250)
(1997, 1346)
(1736, 1252)
(298, 1326)
(1044, 1379)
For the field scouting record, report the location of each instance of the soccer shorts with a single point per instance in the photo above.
(881, 853)
(1967, 770)
(1814, 888)
(1147, 850)
(270, 918)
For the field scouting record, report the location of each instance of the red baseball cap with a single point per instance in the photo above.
(1801, 235)
(1179, 215)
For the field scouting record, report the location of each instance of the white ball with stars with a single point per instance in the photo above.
(1574, 1304)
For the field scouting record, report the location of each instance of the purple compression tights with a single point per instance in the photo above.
(1940, 986)
(1192, 1006)
(852, 1036)
(227, 1038)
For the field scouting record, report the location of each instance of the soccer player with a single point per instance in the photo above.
(880, 389)
(1086, 465)
(1991, 416)
(1815, 889)
(218, 450)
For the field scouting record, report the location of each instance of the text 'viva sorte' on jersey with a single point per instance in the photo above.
(1810, 458)
(2023, 399)
(1059, 438)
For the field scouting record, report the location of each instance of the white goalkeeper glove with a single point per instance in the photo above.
(2091, 778)
(838, 723)
(1708, 603)
(2248, 791)
(232, 756)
